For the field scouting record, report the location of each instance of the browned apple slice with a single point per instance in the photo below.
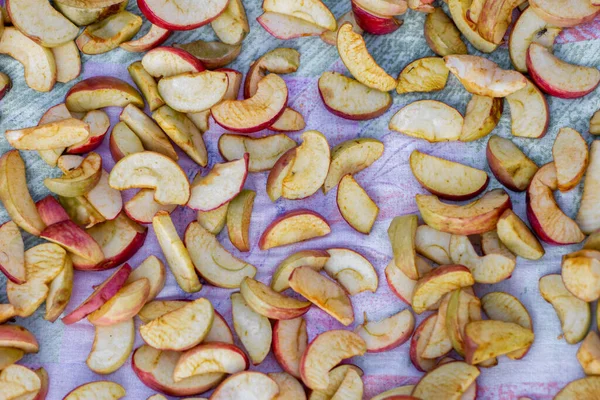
(231, 26)
(324, 293)
(351, 157)
(355, 55)
(431, 120)
(123, 306)
(283, 26)
(325, 352)
(253, 329)
(400, 284)
(112, 346)
(491, 268)
(212, 54)
(19, 382)
(441, 34)
(68, 62)
(165, 61)
(179, 91)
(263, 152)
(495, 18)
(355, 205)
(435, 284)
(476, 217)
(446, 381)
(106, 35)
(401, 233)
(90, 14)
(49, 136)
(100, 389)
(99, 92)
(9, 356)
(146, 83)
(214, 220)
(290, 339)
(581, 274)
(312, 11)
(387, 333)
(246, 384)
(433, 244)
(150, 134)
(269, 303)
(515, 235)
(5, 83)
(154, 37)
(488, 339)
(17, 337)
(350, 99)
(315, 259)
(529, 112)
(509, 164)
(12, 253)
(142, 207)
(210, 358)
(588, 354)
(293, 227)
(59, 293)
(123, 141)
(330, 37)
(595, 124)
(78, 181)
(588, 217)
(425, 74)
(577, 13)
(336, 378)
(481, 117)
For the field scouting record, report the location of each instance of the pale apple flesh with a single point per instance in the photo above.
(265, 301)
(263, 152)
(433, 244)
(181, 15)
(106, 35)
(425, 74)
(330, 37)
(246, 320)
(588, 217)
(153, 38)
(281, 60)
(442, 36)
(123, 141)
(431, 120)
(581, 274)
(435, 284)
(12, 253)
(293, 227)
(388, 333)
(102, 389)
(509, 164)
(212, 54)
(481, 117)
(99, 92)
(123, 306)
(351, 270)
(149, 133)
(457, 376)
(210, 358)
(290, 339)
(578, 12)
(491, 268)
(112, 346)
(530, 115)
(517, 237)
(355, 205)
(400, 284)
(146, 84)
(244, 385)
(588, 354)
(313, 258)
(488, 339)
(283, 26)
(165, 61)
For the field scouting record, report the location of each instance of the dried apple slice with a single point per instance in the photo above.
(509, 164)
(400, 284)
(588, 354)
(373, 23)
(9, 356)
(290, 121)
(12, 253)
(491, 244)
(290, 339)
(588, 217)
(289, 387)
(247, 384)
(491, 268)
(439, 342)
(330, 37)
(584, 389)
(350, 99)
(269, 303)
(351, 387)
(495, 19)
(153, 38)
(387, 333)
(459, 10)
(17, 337)
(253, 329)
(212, 54)
(353, 52)
(263, 152)
(150, 134)
(385, 8)
(431, 120)
(425, 74)
(581, 274)
(179, 91)
(214, 220)
(529, 112)
(59, 293)
(19, 382)
(165, 61)
(315, 259)
(352, 270)
(38, 62)
(142, 207)
(123, 141)
(78, 181)
(123, 306)
(231, 27)
(570, 153)
(68, 62)
(448, 381)
(435, 284)
(90, 14)
(5, 84)
(293, 227)
(154, 270)
(313, 11)
(101, 91)
(51, 211)
(146, 84)
(111, 348)
(515, 235)
(433, 244)
(210, 358)
(336, 377)
(481, 117)
(283, 26)
(99, 124)
(595, 124)
(488, 339)
(106, 35)
(99, 389)
(441, 34)
(75, 240)
(355, 205)
(578, 12)
(49, 136)
(401, 233)
(401, 391)
(351, 157)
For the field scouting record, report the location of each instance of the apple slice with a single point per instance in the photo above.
(146, 84)
(336, 377)
(502, 306)
(7, 312)
(12, 253)
(290, 339)
(388, 333)
(324, 293)
(212, 54)
(488, 339)
(424, 6)
(425, 74)
(529, 112)
(588, 218)
(293, 227)
(290, 121)
(326, 351)
(588, 354)
(263, 152)
(49, 136)
(19, 382)
(494, 19)
(38, 61)
(56, 113)
(584, 388)
(433, 244)
(153, 38)
(431, 120)
(513, 233)
(214, 263)
(336, 90)
(231, 27)
(355, 56)
(75, 240)
(581, 274)
(102, 293)
(278, 173)
(529, 28)
(239, 213)
(283, 26)
(509, 164)
(123, 306)
(385, 8)
(401, 233)
(99, 389)
(352, 270)
(351, 157)
(441, 34)
(106, 35)
(59, 293)
(579, 12)
(481, 117)
(210, 358)
(491, 268)
(373, 23)
(403, 392)
(330, 37)
(90, 14)
(152, 170)
(446, 381)
(51, 211)
(219, 186)
(491, 244)
(439, 342)
(157, 308)
(549, 72)
(142, 207)
(5, 84)
(214, 220)
(269, 303)
(595, 124)
(253, 329)
(574, 314)
(315, 259)
(101, 91)
(400, 284)
(546, 218)
(44, 384)
(99, 124)
(10, 356)
(244, 385)
(355, 205)
(68, 62)
(181, 130)
(289, 387)
(77, 181)
(165, 61)
(179, 91)
(201, 119)
(459, 9)
(257, 112)
(112, 346)
(351, 387)
(150, 134)
(123, 142)
(181, 15)
(435, 284)
(17, 337)
(313, 11)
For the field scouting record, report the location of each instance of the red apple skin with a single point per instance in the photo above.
(356, 117)
(394, 290)
(279, 353)
(413, 344)
(17, 333)
(45, 381)
(92, 144)
(281, 163)
(536, 226)
(547, 87)
(184, 55)
(51, 211)
(69, 232)
(235, 81)
(115, 152)
(285, 216)
(103, 293)
(445, 196)
(499, 172)
(5, 90)
(374, 24)
(103, 82)
(146, 46)
(261, 126)
(156, 20)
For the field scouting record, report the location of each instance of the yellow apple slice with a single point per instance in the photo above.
(400, 284)
(165, 61)
(106, 35)
(247, 384)
(322, 292)
(441, 34)
(214, 220)
(9, 356)
(494, 19)
(315, 259)
(123, 141)
(588, 354)
(210, 358)
(488, 339)
(59, 292)
(281, 60)
(481, 117)
(433, 244)
(12, 253)
(157, 308)
(405, 390)
(491, 244)
(434, 285)
(595, 124)
(509, 164)
(448, 381)
(19, 382)
(351, 157)
(179, 91)
(352, 270)
(7, 311)
(49, 136)
(219, 186)
(517, 237)
(78, 181)
(529, 112)
(152, 269)
(355, 205)
(239, 213)
(425, 74)
(123, 306)
(289, 387)
(491, 268)
(401, 233)
(263, 152)
(265, 301)
(112, 346)
(588, 217)
(387, 333)
(350, 388)
(231, 27)
(290, 339)
(253, 329)
(336, 377)
(459, 10)
(570, 153)
(26, 298)
(431, 120)
(145, 82)
(100, 389)
(293, 227)
(581, 274)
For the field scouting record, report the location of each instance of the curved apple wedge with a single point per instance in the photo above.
(491, 268)
(595, 124)
(435, 284)
(142, 207)
(180, 329)
(351, 157)
(289, 387)
(49, 136)
(351, 270)
(153, 38)
(146, 84)
(101, 91)
(517, 237)
(59, 293)
(293, 227)
(210, 358)
(273, 305)
(99, 124)
(579, 12)
(355, 56)
(180, 91)
(581, 274)
(481, 117)
(283, 26)
(425, 74)
(322, 292)
(157, 308)
(509, 164)
(442, 35)
(446, 381)
(431, 120)
(17, 337)
(401, 232)
(350, 99)
(315, 259)
(400, 284)
(12, 253)
(163, 62)
(281, 60)
(263, 152)
(19, 382)
(123, 306)
(248, 384)
(246, 320)
(212, 54)
(529, 112)
(574, 314)
(355, 205)
(290, 339)
(289, 121)
(588, 217)
(149, 133)
(570, 153)
(330, 37)
(487, 339)
(106, 35)
(388, 333)
(398, 393)
(256, 112)
(78, 181)
(94, 390)
(112, 346)
(325, 352)
(433, 244)
(38, 62)
(123, 142)
(584, 389)
(314, 11)
(181, 15)
(588, 354)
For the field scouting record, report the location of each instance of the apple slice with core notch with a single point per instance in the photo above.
(401, 285)
(75, 240)
(574, 314)
(12, 253)
(431, 120)
(59, 293)
(181, 14)
(373, 23)
(19, 382)
(322, 292)
(210, 358)
(79, 180)
(17, 337)
(150, 134)
(180, 329)
(212, 54)
(142, 207)
(263, 152)
(509, 164)
(550, 72)
(351, 270)
(247, 384)
(488, 339)
(231, 27)
(355, 205)
(588, 217)
(146, 84)
(330, 37)
(214, 220)
(68, 62)
(425, 74)
(123, 142)
(112, 346)
(515, 235)
(388, 333)
(239, 213)
(152, 171)
(350, 99)
(336, 377)
(570, 153)
(49, 136)
(578, 12)
(153, 38)
(491, 268)
(106, 35)
(581, 274)
(283, 26)
(38, 62)
(293, 227)
(290, 339)
(481, 117)
(355, 56)
(165, 61)
(401, 233)
(588, 354)
(476, 217)
(100, 389)
(253, 329)
(435, 284)
(315, 259)
(433, 244)
(441, 34)
(123, 306)
(313, 11)
(269, 303)
(101, 91)
(447, 381)
(99, 125)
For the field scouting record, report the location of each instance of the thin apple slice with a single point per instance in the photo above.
(354, 54)
(509, 164)
(59, 293)
(289, 387)
(352, 270)
(51, 211)
(99, 124)
(588, 217)
(350, 99)
(75, 240)
(313, 11)
(315, 259)
(263, 152)
(336, 377)
(431, 120)
(214, 263)
(5, 84)
(385, 8)
(100, 389)
(38, 62)
(165, 61)
(570, 153)
(210, 358)
(330, 37)
(588, 354)
(9, 356)
(151, 135)
(400, 284)
(239, 213)
(49, 136)
(12, 253)
(293, 227)
(491, 268)
(546, 218)
(491, 244)
(459, 10)
(142, 207)
(441, 34)
(403, 392)
(515, 235)
(212, 54)
(439, 342)
(68, 62)
(112, 347)
(481, 117)
(77, 181)
(433, 244)
(581, 274)
(290, 339)
(448, 381)
(123, 306)
(494, 19)
(529, 112)
(213, 220)
(425, 74)
(253, 329)
(247, 384)
(434, 285)
(355, 205)
(101, 295)
(351, 387)
(488, 339)
(106, 35)
(101, 91)
(278, 173)
(574, 314)
(90, 14)
(595, 124)
(19, 382)
(351, 157)
(373, 23)
(290, 121)
(181, 14)
(153, 38)
(401, 233)
(17, 337)
(269, 303)
(231, 27)
(578, 12)
(388, 333)
(158, 308)
(283, 26)
(146, 84)
(123, 142)
(324, 293)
